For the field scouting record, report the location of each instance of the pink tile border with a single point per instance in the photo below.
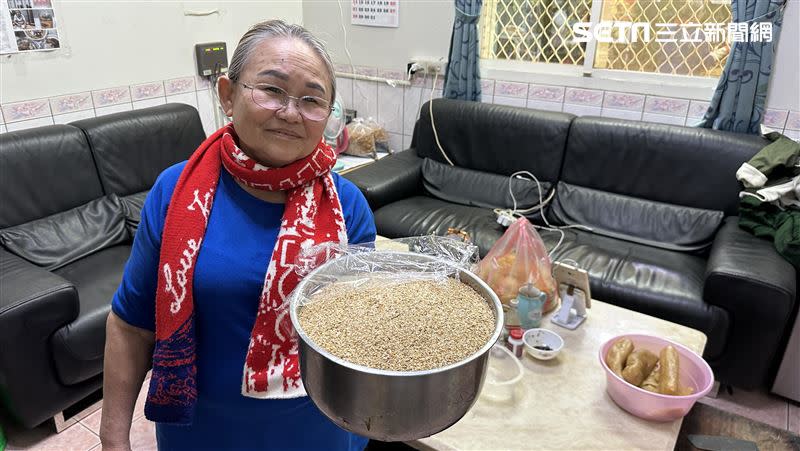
(111, 96)
(775, 118)
(32, 109)
(793, 122)
(546, 92)
(179, 85)
(697, 109)
(666, 105)
(343, 68)
(365, 70)
(201, 83)
(147, 90)
(72, 102)
(623, 101)
(511, 89)
(589, 97)
(487, 87)
(391, 74)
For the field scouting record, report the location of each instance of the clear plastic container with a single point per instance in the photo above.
(503, 375)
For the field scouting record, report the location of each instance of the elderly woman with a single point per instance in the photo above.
(204, 293)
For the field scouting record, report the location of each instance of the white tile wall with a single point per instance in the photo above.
(390, 108)
(543, 105)
(396, 142)
(582, 110)
(139, 104)
(189, 98)
(30, 123)
(621, 114)
(74, 116)
(510, 101)
(664, 118)
(365, 98)
(101, 111)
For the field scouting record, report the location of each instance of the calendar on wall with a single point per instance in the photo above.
(375, 13)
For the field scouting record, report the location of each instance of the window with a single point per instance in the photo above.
(676, 39)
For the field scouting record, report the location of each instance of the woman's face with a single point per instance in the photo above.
(276, 138)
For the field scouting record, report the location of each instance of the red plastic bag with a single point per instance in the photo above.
(517, 258)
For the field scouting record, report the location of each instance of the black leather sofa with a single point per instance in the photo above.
(661, 202)
(71, 201)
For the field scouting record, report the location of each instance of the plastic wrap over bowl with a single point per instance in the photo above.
(389, 405)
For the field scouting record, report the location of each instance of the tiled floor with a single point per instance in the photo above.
(83, 435)
(756, 405)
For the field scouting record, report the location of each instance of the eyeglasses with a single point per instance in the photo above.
(271, 97)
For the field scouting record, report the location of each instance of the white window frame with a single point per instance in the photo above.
(588, 77)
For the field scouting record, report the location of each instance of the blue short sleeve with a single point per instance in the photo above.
(357, 214)
(135, 299)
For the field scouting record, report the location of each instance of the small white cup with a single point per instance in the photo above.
(538, 340)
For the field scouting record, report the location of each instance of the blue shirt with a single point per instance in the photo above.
(228, 279)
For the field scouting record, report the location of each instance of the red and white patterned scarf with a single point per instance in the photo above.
(312, 215)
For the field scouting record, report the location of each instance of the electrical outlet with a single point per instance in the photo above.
(429, 65)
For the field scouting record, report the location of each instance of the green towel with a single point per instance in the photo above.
(2, 439)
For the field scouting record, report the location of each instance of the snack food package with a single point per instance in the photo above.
(517, 258)
(366, 137)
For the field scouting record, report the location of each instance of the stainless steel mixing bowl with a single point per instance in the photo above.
(390, 405)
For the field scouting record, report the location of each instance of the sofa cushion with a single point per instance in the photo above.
(693, 167)
(131, 148)
(424, 216)
(44, 171)
(657, 282)
(479, 188)
(494, 138)
(78, 347)
(652, 223)
(132, 206)
(62, 238)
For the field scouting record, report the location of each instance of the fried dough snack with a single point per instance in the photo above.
(618, 354)
(651, 383)
(639, 365)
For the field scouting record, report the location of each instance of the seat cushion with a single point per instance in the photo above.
(424, 216)
(78, 346)
(657, 282)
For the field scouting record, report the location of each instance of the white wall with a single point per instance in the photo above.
(425, 28)
(118, 42)
(784, 90)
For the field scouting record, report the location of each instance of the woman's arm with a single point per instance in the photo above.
(128, 356)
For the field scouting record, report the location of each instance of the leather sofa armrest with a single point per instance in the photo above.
(749, 279)
(25, 284)
(34, 303)
(389, 179)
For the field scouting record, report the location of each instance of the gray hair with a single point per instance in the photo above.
(277, 28)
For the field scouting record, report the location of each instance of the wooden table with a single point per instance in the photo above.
(562, 403)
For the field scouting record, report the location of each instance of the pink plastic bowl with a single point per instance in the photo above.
(694, 372)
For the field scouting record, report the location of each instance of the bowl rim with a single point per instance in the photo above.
(697, 395)
(495, 302)
(547, 331)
